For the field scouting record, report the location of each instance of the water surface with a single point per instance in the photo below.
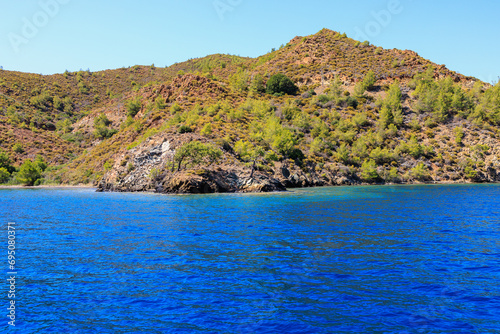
(390, 259)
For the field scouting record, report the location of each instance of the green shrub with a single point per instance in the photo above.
(257, 85)
(64, 126)
(40, 163)
(322, 99)
(175, 108)
(102, 131)
(342, 154)
(42, 101)
(5, 162)
(279, 138)
(420, 172)
(369, 80)
(289, 111)
(359, 90)
(160, 103)
(393, 175)
(184, 129)
(18, 148)
(470, 172)
(381, 155)
(4, 175)
(414, 148)
(82, 88)
(247, 151)
(58, 103)
(154, 174)
(108, 165)
(280, 84)
(28, 173)
(102, 120)
(459, 135)
(392, 108)
(360, 120)
(367, 84)
(133, 107)
(369, 171)
(195, 153)
(239, 81)
(206, 130)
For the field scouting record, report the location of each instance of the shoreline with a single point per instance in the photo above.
(61, 186)
(87, 186)
(430, 183)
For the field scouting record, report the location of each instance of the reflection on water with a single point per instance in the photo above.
(402, 259)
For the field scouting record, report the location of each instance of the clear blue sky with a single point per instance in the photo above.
(78, 34)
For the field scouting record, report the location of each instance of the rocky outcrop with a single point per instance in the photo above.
(221, 181)
(201, 181)
(150, 170)
(149, 167)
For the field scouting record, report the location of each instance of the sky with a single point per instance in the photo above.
(51, 36)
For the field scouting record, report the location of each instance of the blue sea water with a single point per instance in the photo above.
(390, 259)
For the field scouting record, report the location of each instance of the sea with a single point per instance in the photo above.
(374, 259)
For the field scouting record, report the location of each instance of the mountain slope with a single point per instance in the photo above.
(363, 115)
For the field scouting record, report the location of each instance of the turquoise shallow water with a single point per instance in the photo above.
(402, 259)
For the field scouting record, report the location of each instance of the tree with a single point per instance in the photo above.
(459, 134)
(64, 126)
(207, 130)
(489, 106)
(5, 162)
(393, 175)
(18, 148)
(284, 142)
(369, 171)
(249, 153)
(425, 90)
(369, 80)
(392, 109)
(359, 90)
(337, 90)
(279, 138)
(414, 148)
(385, 116)
(280, 84)
(381, 155)
(28, 173)
(342, 154)
(367, 84)
(239, 80)
(195, 153)
(133, 107)
(101, 127)
(420, 172)
(40, 163)
(4, 175)
(257, 85)
(243, 149)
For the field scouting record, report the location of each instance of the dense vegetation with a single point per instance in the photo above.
(323, 104)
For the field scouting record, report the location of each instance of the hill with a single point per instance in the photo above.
(360, 114)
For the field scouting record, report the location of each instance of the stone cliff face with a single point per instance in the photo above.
(149, 167)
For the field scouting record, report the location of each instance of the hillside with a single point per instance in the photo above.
(361, 114)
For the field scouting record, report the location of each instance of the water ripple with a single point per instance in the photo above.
(402, 259)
